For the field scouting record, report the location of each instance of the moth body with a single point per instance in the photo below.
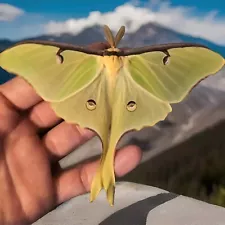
(111, 69)
(112, 64)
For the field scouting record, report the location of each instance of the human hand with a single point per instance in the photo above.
(32, 141)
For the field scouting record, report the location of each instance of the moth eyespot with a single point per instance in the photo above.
(166, 60)
(91, 105)
(59, 59)
(131, 106)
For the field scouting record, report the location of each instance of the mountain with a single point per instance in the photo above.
(3, 75)
(148, 34)
(152, 33)
(5, 44)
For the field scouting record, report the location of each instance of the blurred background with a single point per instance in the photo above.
(185, 153)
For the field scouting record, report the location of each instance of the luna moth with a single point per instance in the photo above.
(111, 91)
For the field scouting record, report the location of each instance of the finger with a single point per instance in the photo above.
(9, 118)
(43, 116)
(64, 138)
(20, 93)
(78, 180)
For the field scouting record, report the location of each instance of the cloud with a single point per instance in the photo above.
(133, 15)
(9, 12)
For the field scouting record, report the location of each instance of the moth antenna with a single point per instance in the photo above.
(109, 36)
(119, 35)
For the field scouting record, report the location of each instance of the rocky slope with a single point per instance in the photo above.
(194, 168)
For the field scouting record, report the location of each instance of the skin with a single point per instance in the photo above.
(32, 141)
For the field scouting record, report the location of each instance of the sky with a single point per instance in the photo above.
(25, 18)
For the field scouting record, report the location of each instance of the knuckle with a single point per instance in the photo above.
(9, 117)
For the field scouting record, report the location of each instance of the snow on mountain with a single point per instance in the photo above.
(134, 15)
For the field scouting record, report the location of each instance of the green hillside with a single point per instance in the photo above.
(195, 168)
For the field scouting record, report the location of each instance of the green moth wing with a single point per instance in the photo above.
(40, 65)
(172, 75)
